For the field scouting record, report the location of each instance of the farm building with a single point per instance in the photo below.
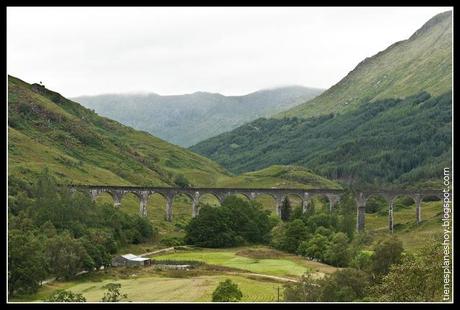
(130, 260)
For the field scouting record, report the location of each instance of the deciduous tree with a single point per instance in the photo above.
(227, 291)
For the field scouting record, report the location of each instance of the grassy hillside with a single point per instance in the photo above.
(188, 119)
(79, 146)
(279, 176)
(385, 142)
(413, 235)
(421, 63)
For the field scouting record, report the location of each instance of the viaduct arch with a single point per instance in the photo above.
(390, 197)
(333, 196)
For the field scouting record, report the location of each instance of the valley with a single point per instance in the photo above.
(292, 194)
(188, 119)
(238, 264)
(388, 122)
(149, 284)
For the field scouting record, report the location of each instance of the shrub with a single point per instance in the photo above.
(363, 260)
(292, 235)
(181, 181)
(66, 296)
(172, 241)
(113, 293)
(227, 291)
(338, 253)
(314, 247)
(345, 285)
(387, 252)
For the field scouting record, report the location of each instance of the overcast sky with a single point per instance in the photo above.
(233, 51)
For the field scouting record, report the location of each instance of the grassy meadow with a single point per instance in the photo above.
(243, 265)
(256, 259)
(165, 289)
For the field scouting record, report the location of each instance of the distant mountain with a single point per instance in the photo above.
(80, 147)
(421, 63)
(188, 119)
(387, 122)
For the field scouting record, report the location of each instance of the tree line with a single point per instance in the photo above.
(55, 233)
(389, 275)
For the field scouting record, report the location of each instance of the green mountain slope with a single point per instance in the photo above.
(188, 119)
(375, 138)
(79, 146)
(279, 176)
(389, 141)
(421, 63)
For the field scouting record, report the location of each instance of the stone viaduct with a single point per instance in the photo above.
(390, 197)
(278, 194)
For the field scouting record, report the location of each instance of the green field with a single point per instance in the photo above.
(257, 259)
(149, 284)
(157, 288)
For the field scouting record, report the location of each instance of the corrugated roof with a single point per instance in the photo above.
(134, 257)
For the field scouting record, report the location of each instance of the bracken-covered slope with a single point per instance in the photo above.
(421, 63)
(188, 119)
(78, 146)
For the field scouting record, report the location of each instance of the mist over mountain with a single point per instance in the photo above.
(78, 146)
(387, 122)
(423, 62)
(188, 119)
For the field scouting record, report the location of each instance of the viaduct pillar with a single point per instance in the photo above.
(390, 215)
(143, 203)
(305, 202)
(333, 199)
(418, 209)
(361, 212)
(117, 199)
(169, 202)
(93, 193)
(195, 209)
(279, 203)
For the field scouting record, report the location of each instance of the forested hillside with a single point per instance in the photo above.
(387, 122)
(389, 141)
(188, 119)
